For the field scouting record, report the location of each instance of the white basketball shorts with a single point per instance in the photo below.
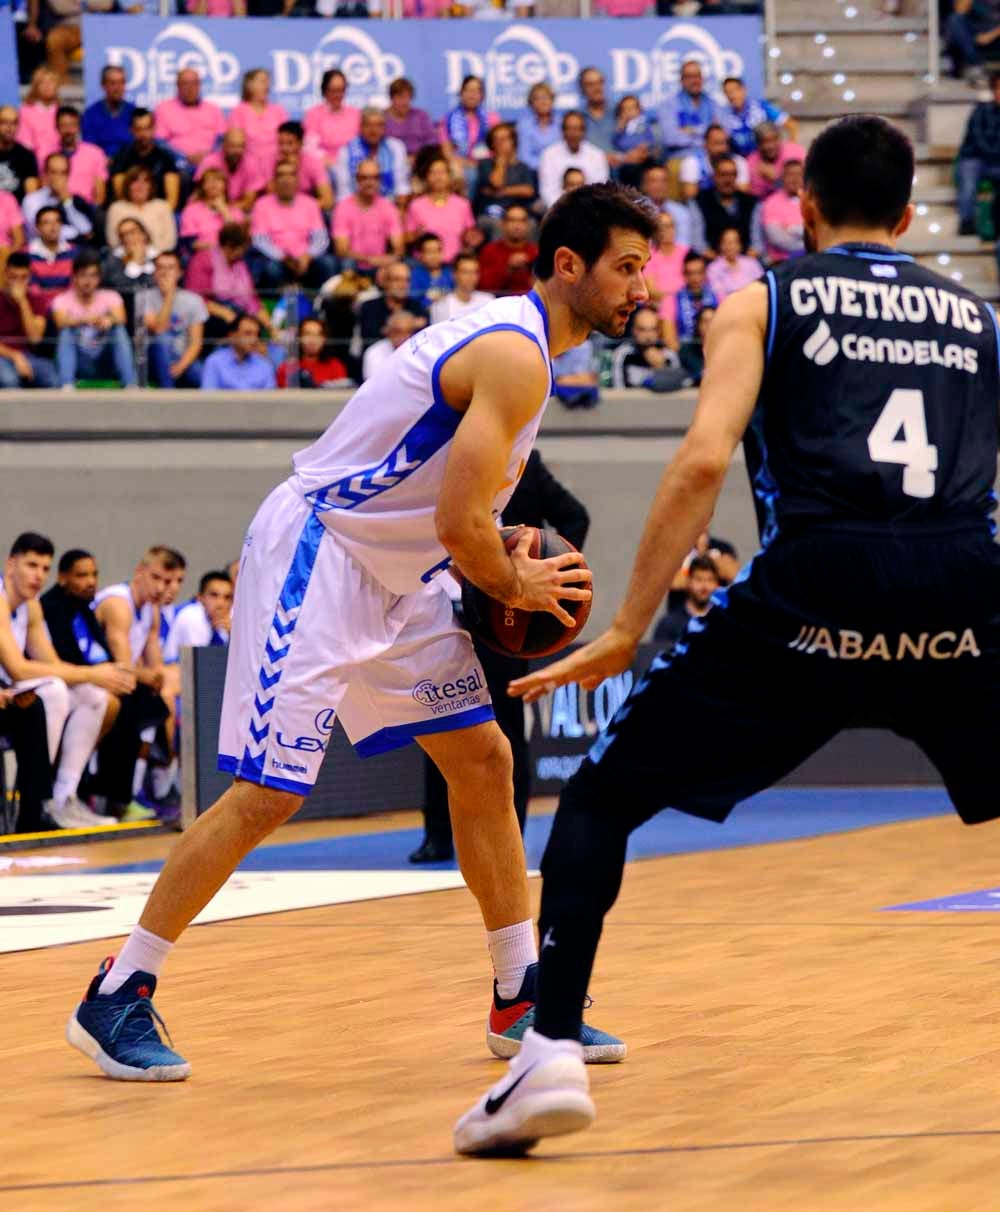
(316, 635)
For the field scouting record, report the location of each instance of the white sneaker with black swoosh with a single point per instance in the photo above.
(545, 1092)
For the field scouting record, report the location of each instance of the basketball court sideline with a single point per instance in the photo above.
(810, 1014)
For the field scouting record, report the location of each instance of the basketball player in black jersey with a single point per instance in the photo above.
(865, 389)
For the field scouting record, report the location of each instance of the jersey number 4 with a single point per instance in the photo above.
(900, 436)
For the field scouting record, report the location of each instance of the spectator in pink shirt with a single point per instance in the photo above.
(88, 165)
(366, 227)
(731, 270)
(222, 277)
(186, 123)
(289, 237)
(245, 179)
(208, 211)
(313, 177)
(769, 159)
(36, 119)
(781, 216)
(259, 118)
(440, 211)
(331, 124)
(664, 274)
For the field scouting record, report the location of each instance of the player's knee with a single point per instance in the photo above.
(487, 765)
(261, 809)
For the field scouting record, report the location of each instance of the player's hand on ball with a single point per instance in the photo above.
(543, 582)
(611, 653)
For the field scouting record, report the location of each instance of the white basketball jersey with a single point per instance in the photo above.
(19, 626)
(142, 617)
(375, 475)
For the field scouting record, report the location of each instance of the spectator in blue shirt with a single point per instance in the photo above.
(695, 296)
(600, 116)
(430, 278)
(742, 114)
(108, 122)
(538, 126)
(686, 116)
(632, 140)
(239, 367)
(574, 377)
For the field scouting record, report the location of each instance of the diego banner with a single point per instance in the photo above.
(640, 55)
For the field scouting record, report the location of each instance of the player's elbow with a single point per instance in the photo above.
(705, 466)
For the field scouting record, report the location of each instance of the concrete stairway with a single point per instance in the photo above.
(855, 60)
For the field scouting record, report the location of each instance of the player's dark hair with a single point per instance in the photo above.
(703, 563)
(860, 171)
(69, 558)
(582, 221)
(209, 577)
(31, 541)
(21, 260)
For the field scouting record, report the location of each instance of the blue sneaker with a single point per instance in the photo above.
(510, 1018)
(118, 1031)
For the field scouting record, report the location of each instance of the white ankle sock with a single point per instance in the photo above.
(512, 949)
(139, 777)
(143, 952)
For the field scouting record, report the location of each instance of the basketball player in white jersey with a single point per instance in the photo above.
(338, 610)
(129, 612)
(75, 697)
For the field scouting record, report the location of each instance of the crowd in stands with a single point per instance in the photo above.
(186, 247)
(90, 681)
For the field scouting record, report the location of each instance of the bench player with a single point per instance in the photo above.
(865, 389)
(337, 611)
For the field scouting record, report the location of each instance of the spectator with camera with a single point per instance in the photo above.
(696, 602)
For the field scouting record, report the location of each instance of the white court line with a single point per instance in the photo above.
(52, 910)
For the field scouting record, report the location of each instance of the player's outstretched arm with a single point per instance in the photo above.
(504, 377)
(686, 496)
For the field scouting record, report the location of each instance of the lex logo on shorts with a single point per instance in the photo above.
(312, 744)
(450, 696)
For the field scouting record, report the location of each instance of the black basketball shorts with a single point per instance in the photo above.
(821, 632)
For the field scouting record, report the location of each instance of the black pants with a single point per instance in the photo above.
(117, 753)
(24, 727)
(499, 672)
(828, 631)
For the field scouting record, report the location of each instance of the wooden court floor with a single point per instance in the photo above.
(793, 1048)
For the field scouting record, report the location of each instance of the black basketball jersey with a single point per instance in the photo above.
(880, 404)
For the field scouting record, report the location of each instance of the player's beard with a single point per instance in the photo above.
(594, 310)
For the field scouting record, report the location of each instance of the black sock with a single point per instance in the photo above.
(582, 870)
